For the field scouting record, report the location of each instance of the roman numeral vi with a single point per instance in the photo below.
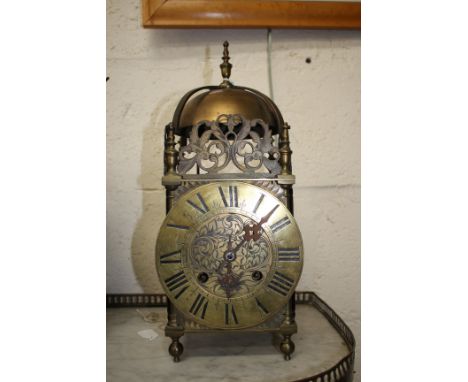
(230, 315)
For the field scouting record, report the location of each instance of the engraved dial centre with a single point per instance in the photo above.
(221, 248)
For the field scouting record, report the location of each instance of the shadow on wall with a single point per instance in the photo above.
(152, 195)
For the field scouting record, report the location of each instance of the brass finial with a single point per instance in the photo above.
(226, 65)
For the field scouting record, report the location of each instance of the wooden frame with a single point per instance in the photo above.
(251, 14)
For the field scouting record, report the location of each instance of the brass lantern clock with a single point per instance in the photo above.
(229, 253)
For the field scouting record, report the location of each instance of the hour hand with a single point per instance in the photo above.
(253, 232)
(229, 246)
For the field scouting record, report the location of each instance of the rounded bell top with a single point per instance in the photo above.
(209, 102)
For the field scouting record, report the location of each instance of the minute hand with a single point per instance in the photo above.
(267, 216)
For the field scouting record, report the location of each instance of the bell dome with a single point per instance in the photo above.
(209, 102)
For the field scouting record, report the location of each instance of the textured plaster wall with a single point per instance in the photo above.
(149, 72)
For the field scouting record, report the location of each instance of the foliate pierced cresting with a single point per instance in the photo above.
(214, 144)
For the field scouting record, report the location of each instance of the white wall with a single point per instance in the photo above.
(150, 70)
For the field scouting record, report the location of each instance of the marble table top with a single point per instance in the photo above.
(248, 357)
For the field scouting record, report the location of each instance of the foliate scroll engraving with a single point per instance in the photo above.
(214, 144)
(216, 238)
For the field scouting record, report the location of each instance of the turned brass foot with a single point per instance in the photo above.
(287, 347)
(176, 349)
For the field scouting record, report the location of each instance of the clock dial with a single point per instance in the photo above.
(229, 255)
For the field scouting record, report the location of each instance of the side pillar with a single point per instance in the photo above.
(286, 180)
(171, 180)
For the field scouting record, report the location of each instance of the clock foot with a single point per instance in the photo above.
(287, 347)
(176, 349)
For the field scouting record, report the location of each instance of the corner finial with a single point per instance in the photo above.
(226, 65)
